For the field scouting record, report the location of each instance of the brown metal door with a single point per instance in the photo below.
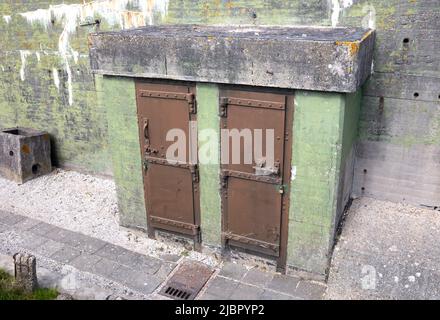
(253, 192)
(171, 188)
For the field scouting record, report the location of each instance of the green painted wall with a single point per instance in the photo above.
(209, 126)
(117, 95)
(45, 83)
(316, 157)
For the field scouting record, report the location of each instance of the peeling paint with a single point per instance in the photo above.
(56, 78)
(336, 8)
(23, 56)
(7, 19)
(369, 21)
(37, 54)
(347, 3)
(114, 12)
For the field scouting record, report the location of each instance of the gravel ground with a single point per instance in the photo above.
(85, 204)
(387, 251)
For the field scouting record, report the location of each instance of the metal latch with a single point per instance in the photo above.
(145, 164)
(194, 172)
(281, 189)
(262, 170)
(223, 112)
(192, 103)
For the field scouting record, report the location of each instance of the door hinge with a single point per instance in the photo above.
(191, 103)
(194, 172)
(224, 181)
(223, 112)
(145, 164)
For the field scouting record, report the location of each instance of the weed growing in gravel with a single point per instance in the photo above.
(9, 291)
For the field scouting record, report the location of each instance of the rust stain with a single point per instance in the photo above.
(353, 46)
(25, 149)
(133, 19)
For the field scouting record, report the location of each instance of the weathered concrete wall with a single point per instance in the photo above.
(45, 80)
(118, 96)
(208, 123)
(45, 83)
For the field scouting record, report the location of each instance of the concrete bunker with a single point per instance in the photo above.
(303, 83)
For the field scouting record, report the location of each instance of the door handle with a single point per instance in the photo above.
(145, 130)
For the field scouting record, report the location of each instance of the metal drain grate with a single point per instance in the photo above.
(177, 293)
(187, 282)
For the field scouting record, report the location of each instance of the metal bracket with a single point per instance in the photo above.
(145, 164)
(223, 112)
(194, 172)
(191, 103)
(224, 181)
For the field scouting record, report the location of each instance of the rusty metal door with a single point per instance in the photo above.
(171, 187)
(255, 190)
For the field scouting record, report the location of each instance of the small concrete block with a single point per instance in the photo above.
(65, 254)
(247, 292)
(221, 287)
(310, 290)
(11, 219)
(105, 267)
(272, 295)
(258, 277)
(48, 248)
(26, 224)
(284, 284)
(85, 262)
(24, 154)
(42, 228)
(136, 280)
(25, 272)
(233, 270)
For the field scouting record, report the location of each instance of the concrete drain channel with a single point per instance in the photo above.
(187, 282)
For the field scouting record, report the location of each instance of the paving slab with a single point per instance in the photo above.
(111, 252)
(258, 277)
(284, 284)
(86, 262)
(11, 219)
(105, 267)
(4, 227)
(233, 270)
(273, 295)
(221, 287)
(65, 255)
(47, 248)
(26, 224)
(310, 290)
(139, 281)
(42, 228)
(247, 292)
